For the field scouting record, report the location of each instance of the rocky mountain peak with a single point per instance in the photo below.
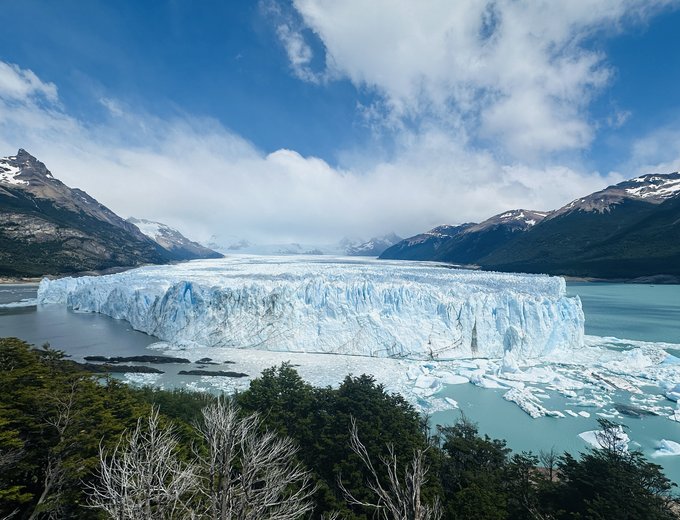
(23, 169)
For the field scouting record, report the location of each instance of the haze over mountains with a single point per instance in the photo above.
(48, 228)
(345, 247)
(628, 230)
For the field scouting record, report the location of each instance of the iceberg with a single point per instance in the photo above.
(597, 440)
(666, 448)
(336, 305)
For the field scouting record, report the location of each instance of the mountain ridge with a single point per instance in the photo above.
(46, 227)
(625, 231)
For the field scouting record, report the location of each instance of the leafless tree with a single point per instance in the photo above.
(549, 460)
(61, 420)
(612, 437)
(247, 474)
(398, 498)
(143, 478)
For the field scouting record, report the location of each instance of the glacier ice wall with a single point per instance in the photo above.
(360, 307)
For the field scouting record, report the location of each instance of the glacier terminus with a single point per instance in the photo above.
(336, 306)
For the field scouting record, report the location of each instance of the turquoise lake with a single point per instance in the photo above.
(637, 312)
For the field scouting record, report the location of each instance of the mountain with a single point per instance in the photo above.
(628, 230)
(48, 228)
(468, 243)
(373, 247)
(479, 240)
(173, 241)
(345, 247)
(424, 246)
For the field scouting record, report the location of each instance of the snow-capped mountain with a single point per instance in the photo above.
(47, 227)
(169, 238)
(373, 247)
(425, 245)
(345, 247)
(467, 243)
(652, 188)
(628, 230)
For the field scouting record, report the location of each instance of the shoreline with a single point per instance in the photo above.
(35, 280)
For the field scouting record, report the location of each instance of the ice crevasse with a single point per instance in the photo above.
(362, 307)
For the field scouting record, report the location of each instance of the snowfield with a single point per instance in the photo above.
(336, 306)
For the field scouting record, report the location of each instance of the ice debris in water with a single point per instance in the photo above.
(666, 448)
(432, 326)
(597, 439)
(363, 307)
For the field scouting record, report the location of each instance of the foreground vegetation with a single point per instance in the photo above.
(74, 446)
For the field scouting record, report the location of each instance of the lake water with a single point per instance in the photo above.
(638, 312)
(630, 311)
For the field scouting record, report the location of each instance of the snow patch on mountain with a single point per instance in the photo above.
(657, 186)
(9, 172)
(172, 240)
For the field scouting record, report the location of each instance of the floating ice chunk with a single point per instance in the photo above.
(452, 402)
(666, 448)
(596, 440)
(425, 381)
(675, 416)
(671, 360)
(528, 402)
(363, 307)
(584, 414)
(509, 364)
(449, 378)
(572, 413)
(612, 381)
(484, 381)
(674, 393)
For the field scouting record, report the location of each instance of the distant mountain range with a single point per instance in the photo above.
(172, 240)
(346, 247)
(629, 230)
(48, 228)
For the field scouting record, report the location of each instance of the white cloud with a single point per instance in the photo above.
(656, 152)
(299, 53)
(22, 85)
(515, 72)
(204, 179)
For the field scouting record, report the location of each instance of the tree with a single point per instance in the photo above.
(396, 498)
(247, 474)
(53, 417)
(549, 459)
(611, 482)
(143, 478)
(472, 472)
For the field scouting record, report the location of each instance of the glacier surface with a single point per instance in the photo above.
(333, 305)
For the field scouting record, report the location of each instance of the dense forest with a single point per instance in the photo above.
(74, 445)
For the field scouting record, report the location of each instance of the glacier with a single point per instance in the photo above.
(335, 306)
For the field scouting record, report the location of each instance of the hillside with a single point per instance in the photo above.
(48, 228)
(628, 230)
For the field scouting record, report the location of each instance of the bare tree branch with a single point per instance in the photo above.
(249, 475)
(397, 498)
(142, 478)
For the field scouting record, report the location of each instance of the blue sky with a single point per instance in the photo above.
(312, 120)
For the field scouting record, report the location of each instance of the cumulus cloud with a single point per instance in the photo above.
(195, 174)
(517, 73)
